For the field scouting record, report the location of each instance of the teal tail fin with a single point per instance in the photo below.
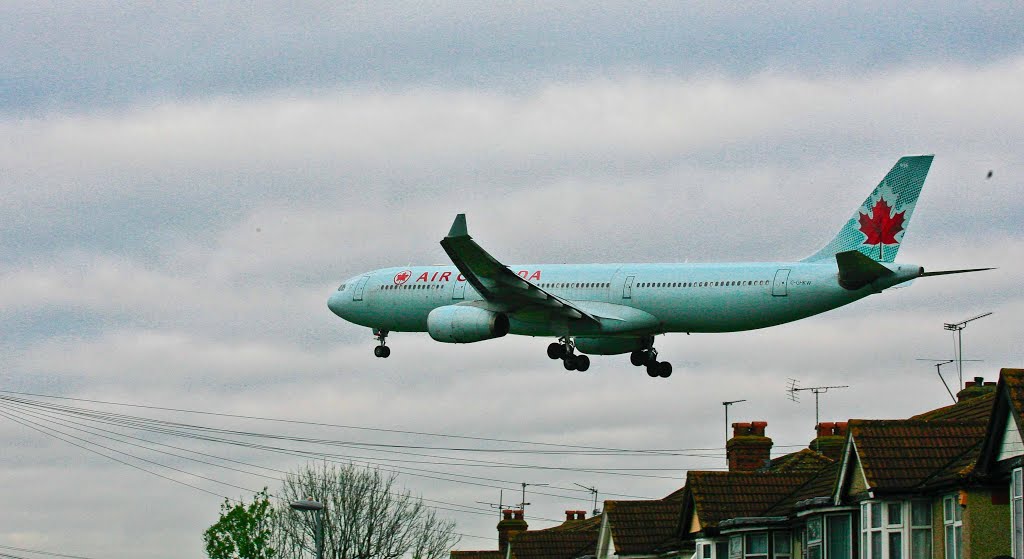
(877, 227)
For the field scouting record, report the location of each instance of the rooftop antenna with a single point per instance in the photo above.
(500, 505)
(726, 405)
(522, 505)
(794, 387)
(958, 343)
(593, 491)
(938, 370)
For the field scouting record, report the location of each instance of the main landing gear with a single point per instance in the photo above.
(565, 350)
(382, 350)
(649, 358)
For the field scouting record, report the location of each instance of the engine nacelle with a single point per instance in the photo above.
(459, 324)
(611, 346)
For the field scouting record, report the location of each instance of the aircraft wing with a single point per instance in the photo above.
(496, 282)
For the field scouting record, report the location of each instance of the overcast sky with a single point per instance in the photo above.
(185, 186)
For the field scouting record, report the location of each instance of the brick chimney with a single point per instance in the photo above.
(975, 388)
(571, 515)
(830, 439)
(748, 449)
(511, 523)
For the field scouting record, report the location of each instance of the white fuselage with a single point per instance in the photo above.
(632, 299)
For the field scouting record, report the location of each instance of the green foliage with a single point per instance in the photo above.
(243, 531)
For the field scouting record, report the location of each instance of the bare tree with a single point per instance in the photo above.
(365, 517)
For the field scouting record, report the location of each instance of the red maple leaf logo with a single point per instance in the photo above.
(881, 227)
(402, 277)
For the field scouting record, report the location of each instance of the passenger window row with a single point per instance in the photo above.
(738, 283)
(421, 286)
(575, 285)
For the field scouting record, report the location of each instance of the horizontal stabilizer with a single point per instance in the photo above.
(857, 270)
(947, 272)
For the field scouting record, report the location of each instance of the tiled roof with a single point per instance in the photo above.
(821, 485)
(972, 409)
(914, 453)
(571, 539)
(1013, 379)
(804, 461)
(644, 526)
(718, 496)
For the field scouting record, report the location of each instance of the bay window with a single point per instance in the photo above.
(896, 530)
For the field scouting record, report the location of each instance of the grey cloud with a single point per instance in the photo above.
(181, 254)
(87, 54)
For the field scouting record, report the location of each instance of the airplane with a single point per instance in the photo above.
(612, 309)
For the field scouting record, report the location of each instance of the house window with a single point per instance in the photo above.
(782, 545)
(895, 529)
(953, 523)
(736, 547)
(920, 530)
(838, 537)
(1017, 512)
(756, 546)
(814, 540)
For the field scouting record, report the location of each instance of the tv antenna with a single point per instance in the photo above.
(938, 370)
(523, 504)
(794, 387)
(593, 491)
(958, 343)
(726, 405)
(500, 505)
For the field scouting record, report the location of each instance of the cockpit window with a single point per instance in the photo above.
(342, 287)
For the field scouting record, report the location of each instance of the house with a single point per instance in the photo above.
(945, 484)
(1002, 458)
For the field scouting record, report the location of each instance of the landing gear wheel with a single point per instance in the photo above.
(638, 358)
(652, 370)
(569, 363)
(382, 350)
(664, 369)
(556, 351)
(582, 363)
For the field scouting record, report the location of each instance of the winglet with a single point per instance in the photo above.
(459, 227)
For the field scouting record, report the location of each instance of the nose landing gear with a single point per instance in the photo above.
(649, 358)
(565, 350)
(382, 350)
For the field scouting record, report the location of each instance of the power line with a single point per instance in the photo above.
(174, 428)
(340, 426)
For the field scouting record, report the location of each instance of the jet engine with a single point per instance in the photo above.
(611, 346)
(459, 324)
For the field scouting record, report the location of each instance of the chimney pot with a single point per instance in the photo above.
(570, 515)
(581, 514)
(517, 514)
(826, 429)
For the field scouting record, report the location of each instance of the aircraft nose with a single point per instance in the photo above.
(336, 302)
